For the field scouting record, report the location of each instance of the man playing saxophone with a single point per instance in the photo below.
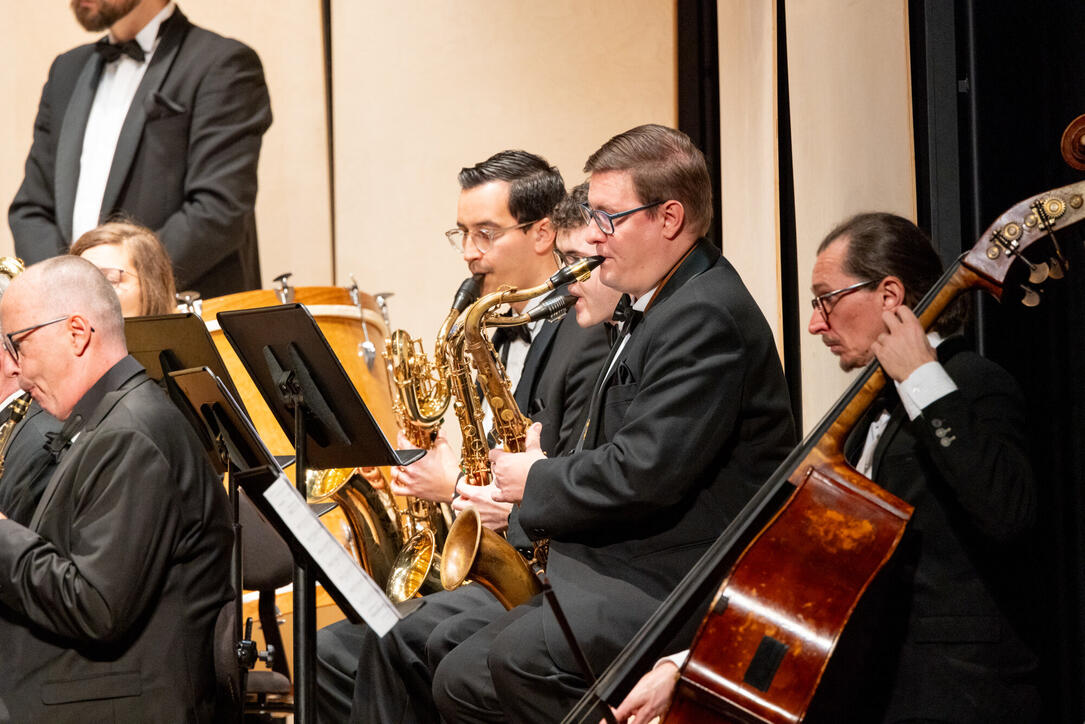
(505, 232)
(688, 417)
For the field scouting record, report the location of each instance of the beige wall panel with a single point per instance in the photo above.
(37, 33)
(425, 88)
(749, 163)
(851, 130)
(292, 208)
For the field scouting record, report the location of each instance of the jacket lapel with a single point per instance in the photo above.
(70, 143)
(535, 354)
(132, 130)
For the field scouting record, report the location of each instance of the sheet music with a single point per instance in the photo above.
(361, 591)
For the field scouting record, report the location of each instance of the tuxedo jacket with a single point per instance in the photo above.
(185, 162)
(108, 597)
(692, 419)
(555, 385)
(27, 465)
(950, 641)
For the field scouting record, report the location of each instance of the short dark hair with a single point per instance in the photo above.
(665, 165)
(567, 214)
(881, 245)
(535, 187)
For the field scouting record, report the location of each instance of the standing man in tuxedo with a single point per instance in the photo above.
(947, 639)
(505, 229)
(160, 121)
(689, 416)
(108, 598)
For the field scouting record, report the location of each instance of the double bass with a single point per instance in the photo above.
(794, 572)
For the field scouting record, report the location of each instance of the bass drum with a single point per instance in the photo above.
(366, 520)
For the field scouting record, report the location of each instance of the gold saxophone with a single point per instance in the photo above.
(19, 409)
(472, 552)
(421, 392)
(11, 267)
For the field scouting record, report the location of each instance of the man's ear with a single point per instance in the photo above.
(79, 332)
(543, 236)
(892, 293)
(674, 218)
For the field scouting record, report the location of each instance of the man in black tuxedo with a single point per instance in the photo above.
(506, 230)
(945, 639)
(108, 598)
(160, 121)
(689, 416)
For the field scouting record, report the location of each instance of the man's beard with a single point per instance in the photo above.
(103, 15)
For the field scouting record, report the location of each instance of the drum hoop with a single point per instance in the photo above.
(349, 311)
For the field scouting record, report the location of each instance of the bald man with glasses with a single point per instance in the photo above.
(109, 594)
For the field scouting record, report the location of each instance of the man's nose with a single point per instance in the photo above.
(471, 252)
(817, 323)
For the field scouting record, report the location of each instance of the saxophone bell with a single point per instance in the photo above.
(477, 553)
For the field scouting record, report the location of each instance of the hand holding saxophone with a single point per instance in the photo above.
(431, 478)
(494, 515)
(509, 469)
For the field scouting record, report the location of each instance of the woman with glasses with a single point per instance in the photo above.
(134, 261)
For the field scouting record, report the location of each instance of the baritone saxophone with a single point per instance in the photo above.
(421, 392)
(472, 552)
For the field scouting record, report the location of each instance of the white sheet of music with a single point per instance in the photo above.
(361, 591)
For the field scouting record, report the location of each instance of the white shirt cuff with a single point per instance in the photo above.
(678, 659)
(927, 383)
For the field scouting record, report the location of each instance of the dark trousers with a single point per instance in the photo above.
(389, 679)
(505, 673)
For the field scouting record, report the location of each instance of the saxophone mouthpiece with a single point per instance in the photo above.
(552, 309)
(468, 293)
(578, 271)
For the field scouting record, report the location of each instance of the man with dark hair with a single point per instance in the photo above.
(159, 120)
(109, 596)
(505, 233)
(689, 416)
(948, 643)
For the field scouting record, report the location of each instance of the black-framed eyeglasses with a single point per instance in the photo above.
(566, 258)
(605, 221)
(483, 238)
(9, 339)
(824, 302)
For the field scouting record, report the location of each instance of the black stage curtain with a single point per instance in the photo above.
(1019, 79)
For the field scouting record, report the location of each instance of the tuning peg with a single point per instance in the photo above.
(1031, 297)
(1038, 272)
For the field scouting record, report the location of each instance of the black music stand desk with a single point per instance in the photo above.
(295, 369)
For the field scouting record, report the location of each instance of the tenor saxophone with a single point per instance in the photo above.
(472, 552)
(421, 392)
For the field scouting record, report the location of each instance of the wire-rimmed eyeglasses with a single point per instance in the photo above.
(823, 302)
(483, 238)
(605, 221)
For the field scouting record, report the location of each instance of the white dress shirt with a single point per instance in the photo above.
(117, 87)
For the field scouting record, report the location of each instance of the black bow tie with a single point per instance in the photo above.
(504, 336)
(625, 315)
(111, 51)
(57, 442)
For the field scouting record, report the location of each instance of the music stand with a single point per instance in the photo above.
(167, 343)
(295, 368)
